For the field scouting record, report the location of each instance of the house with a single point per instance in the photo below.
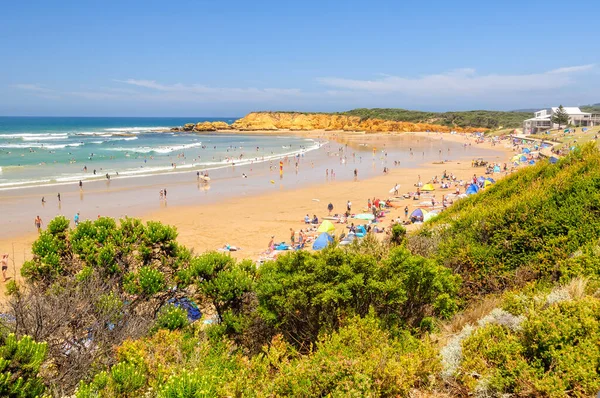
(542, 121)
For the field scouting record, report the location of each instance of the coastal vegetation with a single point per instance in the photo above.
(477, 118)
(497, 296)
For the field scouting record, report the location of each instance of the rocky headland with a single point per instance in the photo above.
(290, 121)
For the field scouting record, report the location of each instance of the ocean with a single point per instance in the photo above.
(63, 150)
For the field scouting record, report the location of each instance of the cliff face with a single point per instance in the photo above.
(314, 121)
(273, 121)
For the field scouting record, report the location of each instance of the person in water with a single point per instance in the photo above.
(38, 224)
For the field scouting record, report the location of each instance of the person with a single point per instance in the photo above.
(165, 193)
(58, 196)
(271, 246)
(330, 208)
(405, 212)
(160, 194)
(315, 219)
(352, 228)
(76, 219)
(349, 206)
(43, 200)
(80, 184)
(355, 174)
(396, 189)
(38, 224)
(4, 263)
(292, 236)
(307, 219)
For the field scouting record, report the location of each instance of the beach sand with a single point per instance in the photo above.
(250, 220)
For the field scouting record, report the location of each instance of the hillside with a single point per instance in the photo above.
(496, 296)
(478, 118)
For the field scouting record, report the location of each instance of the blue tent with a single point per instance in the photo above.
(481, 180)
(496, 169)
(523, 158)
(526, 150)
(532, 161)
(553, 160)
(490, 179)
(472, 189)
(417, 215)
(323, 240)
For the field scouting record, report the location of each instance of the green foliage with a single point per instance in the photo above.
(358, 360)
(532, 224)
(188, 385)
(398, 234)
(485, 119)
(556, 352)
(20, 362)
(560, 117)
(223, 281)
(302, 294)
(171, 317)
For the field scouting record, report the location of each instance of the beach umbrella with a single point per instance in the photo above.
(428, 187)
(322, 241)
(326, 226)
(526, 150)
(365, 216)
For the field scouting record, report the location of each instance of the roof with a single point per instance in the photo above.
(571, 110)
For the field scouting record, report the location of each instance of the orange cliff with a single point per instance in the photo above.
(273, 121)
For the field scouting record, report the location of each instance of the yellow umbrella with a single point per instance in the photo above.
(326, 226)
(428, 187)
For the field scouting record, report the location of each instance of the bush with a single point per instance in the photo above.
(20, 362)
(171, 318)
(556, 352)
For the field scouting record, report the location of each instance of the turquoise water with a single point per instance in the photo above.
(60, 150)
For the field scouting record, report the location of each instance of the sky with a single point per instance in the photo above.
(227, 58)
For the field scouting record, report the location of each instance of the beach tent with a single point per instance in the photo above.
(417, 215)
(523, 158)
(532, 161)
(497, 169)
(472, 189)
(480, 180)
(487, 183)
(428, 187)
(322, 241)
(526, 150)
(326, 226)
(516, 158)
(365, 216)
(490, 179)
(553, 160)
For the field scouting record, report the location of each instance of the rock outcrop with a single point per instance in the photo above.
(318, 121)
(273, 121)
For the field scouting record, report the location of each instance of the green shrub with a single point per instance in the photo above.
(171, 318)
(20, 363)
(556, 352)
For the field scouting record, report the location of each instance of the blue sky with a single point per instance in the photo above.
(226, 58)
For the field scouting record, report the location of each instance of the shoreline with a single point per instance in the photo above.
(250, 219)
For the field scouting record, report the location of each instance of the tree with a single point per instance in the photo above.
(560, 117)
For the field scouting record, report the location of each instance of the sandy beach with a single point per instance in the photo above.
(209, 216)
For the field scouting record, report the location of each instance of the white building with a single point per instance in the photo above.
(542, 121)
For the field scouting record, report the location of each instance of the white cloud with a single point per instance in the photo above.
(31, 87)
(460, 82)
(203, 92)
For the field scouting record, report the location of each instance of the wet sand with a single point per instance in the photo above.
(246, 212)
